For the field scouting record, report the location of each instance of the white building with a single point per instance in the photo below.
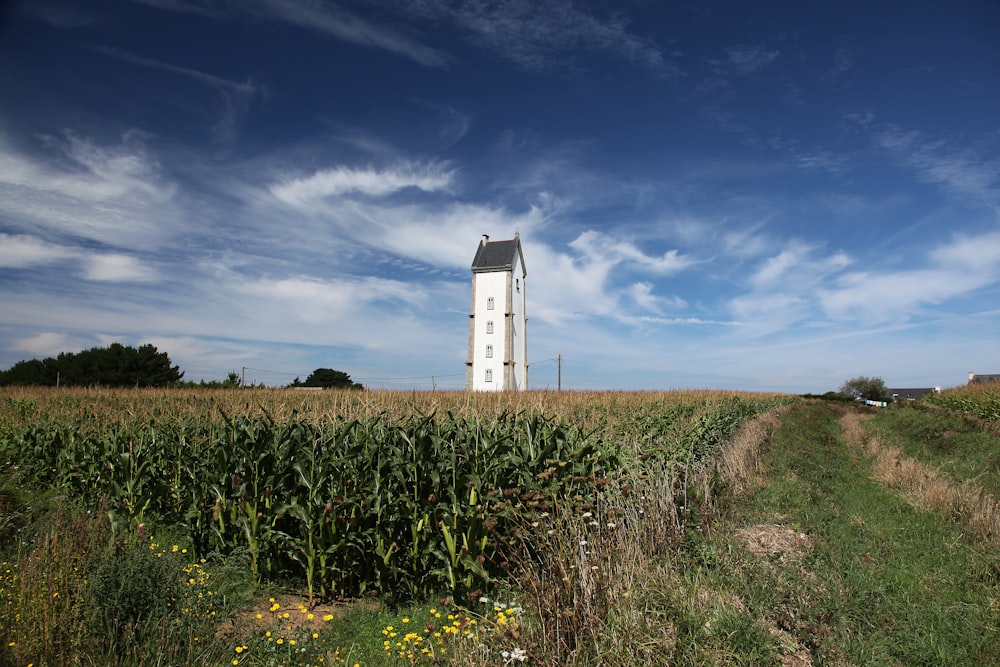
(498, 347)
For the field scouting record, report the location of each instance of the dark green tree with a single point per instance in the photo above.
(32, 372)
(330, 379)
(114, 366)
(868, 388)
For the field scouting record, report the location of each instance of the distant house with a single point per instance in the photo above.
(985, 378)
(912, 394)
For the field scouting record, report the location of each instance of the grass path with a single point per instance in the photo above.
(821, 563)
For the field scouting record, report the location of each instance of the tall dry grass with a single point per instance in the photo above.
(738, 464)
(926, 487)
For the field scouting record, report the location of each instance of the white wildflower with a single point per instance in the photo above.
(518, 654)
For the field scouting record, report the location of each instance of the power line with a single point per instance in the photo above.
(264, 370)
(417, 377)
(430, 376)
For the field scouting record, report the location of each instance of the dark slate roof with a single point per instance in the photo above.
(985, 378)
(497, 255)
(913, 393)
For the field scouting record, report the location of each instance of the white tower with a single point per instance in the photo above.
(498, 347)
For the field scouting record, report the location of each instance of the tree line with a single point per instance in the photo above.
(120, 365)
(116, 365)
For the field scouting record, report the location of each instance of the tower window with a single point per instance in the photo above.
(489, 326)
(489, 351)
(489, 303)
(517, 284)
(489, 375)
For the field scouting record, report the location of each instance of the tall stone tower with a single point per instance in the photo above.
(498, 347)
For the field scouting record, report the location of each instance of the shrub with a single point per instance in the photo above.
(131, 591)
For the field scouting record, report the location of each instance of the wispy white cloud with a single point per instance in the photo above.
(766, 312)
(413, 211)
(201, 7)
(795, 265)
(57, 14)
(548, 35)
(743, 60)
(235, 96)
(116, 268)
(324, 17)
(339, 181)
(542, 36)
(688, 321)
(644, 296)
(781, 290)
(977, 254)
(342, 24)
(84, 170)
(961, 170)
(808, 157)
(588, 279)
(313, 300)
(800, 285)
(22, 251)
(18, 251)
(965, 264)
(44, 344)
(114, 194)
(451, 123)
(844, 61)
(605, 250)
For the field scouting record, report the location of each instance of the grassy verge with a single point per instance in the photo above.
(957, 444)
(821, 564)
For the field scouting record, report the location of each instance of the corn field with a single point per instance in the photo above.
(982, 401)
(407, 495)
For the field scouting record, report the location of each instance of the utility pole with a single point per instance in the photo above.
(559, 372)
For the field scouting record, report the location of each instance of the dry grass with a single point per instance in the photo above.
(590, 571)
(772, 541)
(926, 487)
(739, 462)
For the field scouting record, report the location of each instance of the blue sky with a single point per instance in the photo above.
(754, 196)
